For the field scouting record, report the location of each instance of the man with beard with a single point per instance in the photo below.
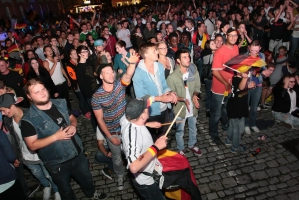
(108, 104)
(50, 128)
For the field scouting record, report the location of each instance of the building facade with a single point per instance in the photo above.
(23, 8)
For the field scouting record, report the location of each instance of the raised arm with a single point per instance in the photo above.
(167, 13)
(279, 13)
(93, 17)
(132, 60)
(194, 4)
(77, 23)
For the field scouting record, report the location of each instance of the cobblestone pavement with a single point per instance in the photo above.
(272, 174)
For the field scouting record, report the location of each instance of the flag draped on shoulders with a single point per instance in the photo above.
(13, 48)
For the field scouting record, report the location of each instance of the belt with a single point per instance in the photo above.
(115, 133)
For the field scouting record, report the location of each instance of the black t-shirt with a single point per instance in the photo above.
(244, 46)
(277, 30)
(28, 130)
(86, 79)
(237, 105)
(14, 81)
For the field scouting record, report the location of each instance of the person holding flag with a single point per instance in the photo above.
(239, 100)
(221, 84)
(147, 160)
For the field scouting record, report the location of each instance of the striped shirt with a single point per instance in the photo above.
(112, 103)
(136, 140)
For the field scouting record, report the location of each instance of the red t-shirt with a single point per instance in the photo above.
(221, 56)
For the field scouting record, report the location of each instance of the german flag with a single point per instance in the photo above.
(177, 172)
(242, 63)
(20, 26)
(13, 48)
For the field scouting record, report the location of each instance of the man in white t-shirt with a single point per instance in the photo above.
(139, 148)
(163, 20)
(124, 34)
(210, 23)
(40, 49)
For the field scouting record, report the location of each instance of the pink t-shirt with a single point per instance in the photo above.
(221, 56)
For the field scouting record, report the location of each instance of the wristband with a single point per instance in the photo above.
(153, 150)
(154, 146)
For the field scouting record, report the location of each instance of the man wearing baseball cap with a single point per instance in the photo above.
(99, 46)
(221, 84)
(139, 148)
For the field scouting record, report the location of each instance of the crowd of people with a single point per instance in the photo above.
(133, 71)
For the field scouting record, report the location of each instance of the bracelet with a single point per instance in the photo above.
(184, 99)
(154, 146)
(153, 150)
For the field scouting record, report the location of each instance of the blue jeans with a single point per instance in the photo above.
(83, 104)
(217, 112)
(236, 128)
(294, 45)
(254, 96)
(101, 158)
(180, 132)
(148, 192)
(116, 157)
(286, 117)
(76, 167)
(42, 175)
(199, 65)
(20, 173)
(208, 84)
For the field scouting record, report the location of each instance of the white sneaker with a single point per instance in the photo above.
(57, 196)
(247, 130)
(182, 153)
(255, 129)
(47, 193)
(120, 183)
(258, 108)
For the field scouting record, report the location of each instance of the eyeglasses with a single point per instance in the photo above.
(84, 51)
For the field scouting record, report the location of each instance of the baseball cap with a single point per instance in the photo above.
(135, 107)
(8, 99)
(231, 29)
(98, 42)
